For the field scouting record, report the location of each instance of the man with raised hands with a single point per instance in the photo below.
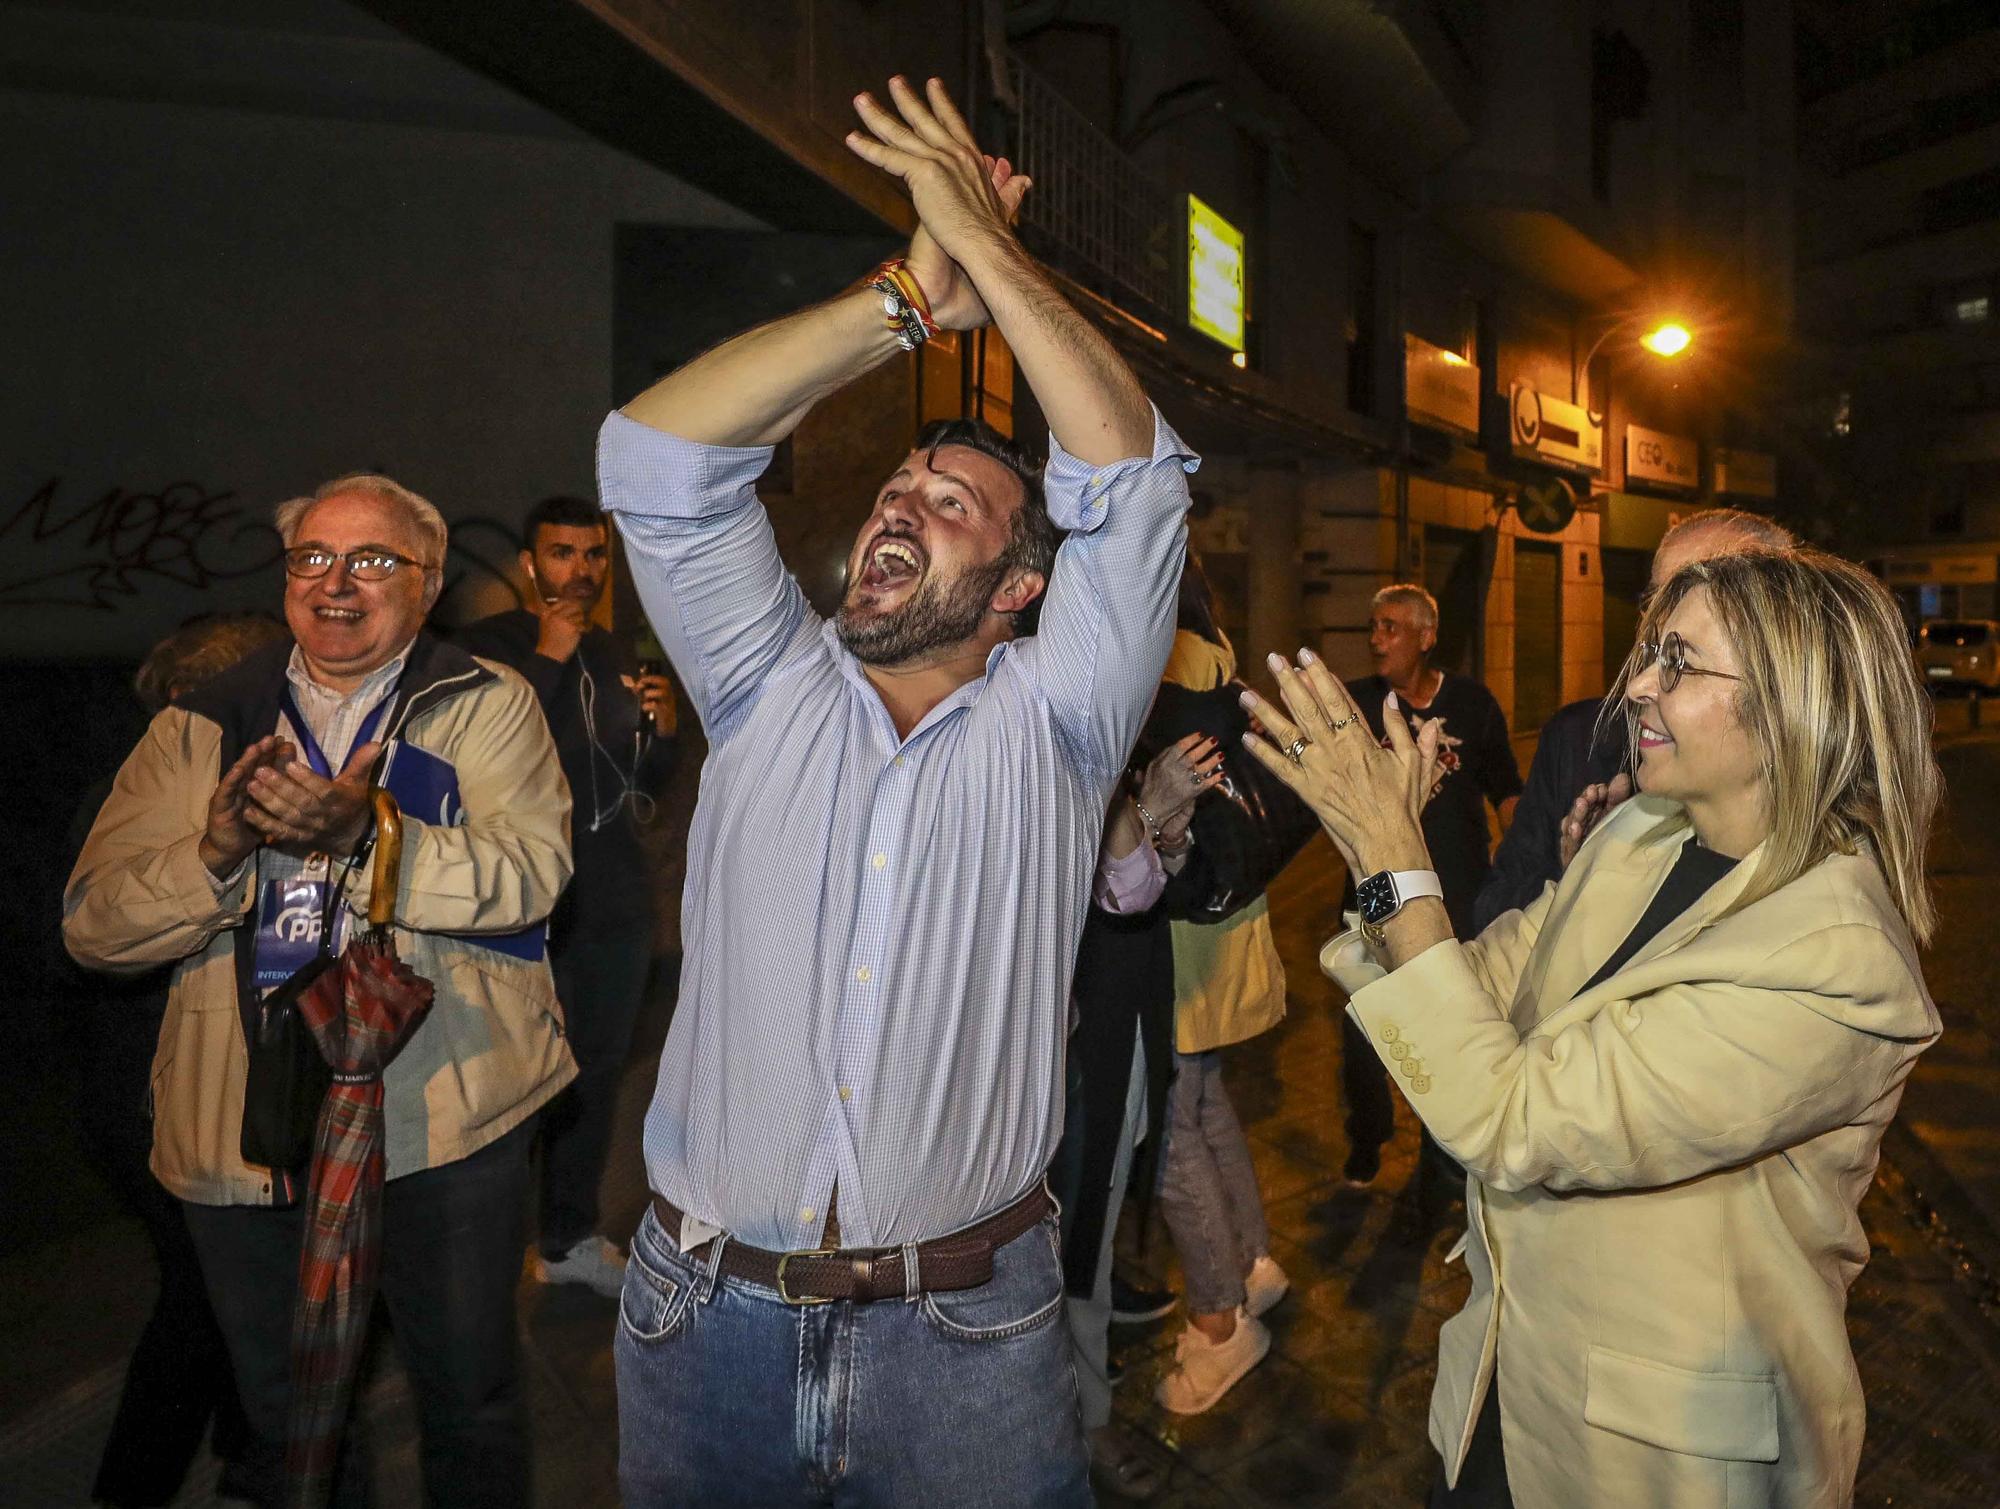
(847, 1288)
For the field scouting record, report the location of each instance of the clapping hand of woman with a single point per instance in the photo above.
(1174, 781)
(1369, 799)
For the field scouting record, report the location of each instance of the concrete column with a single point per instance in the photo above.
(1275, 569)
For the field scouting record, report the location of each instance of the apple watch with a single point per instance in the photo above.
(1387, 892)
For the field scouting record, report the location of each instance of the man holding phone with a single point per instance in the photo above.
(614, 727)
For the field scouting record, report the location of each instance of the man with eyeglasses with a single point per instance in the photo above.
(1582, 765)
(240, 822)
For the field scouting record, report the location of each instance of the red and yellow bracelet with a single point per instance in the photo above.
(904, 307)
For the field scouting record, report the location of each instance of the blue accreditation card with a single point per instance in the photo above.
(289, 917)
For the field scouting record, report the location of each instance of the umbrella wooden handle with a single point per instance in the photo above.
(388, 859)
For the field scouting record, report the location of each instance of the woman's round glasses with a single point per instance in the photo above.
(1671, 653)
(372, 564)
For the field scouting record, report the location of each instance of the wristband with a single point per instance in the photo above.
(904, 308)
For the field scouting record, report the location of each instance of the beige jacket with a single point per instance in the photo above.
(1665, 1171)
(492, 1050)
(1229, 983)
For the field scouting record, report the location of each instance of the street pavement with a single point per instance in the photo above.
(1336, 1415)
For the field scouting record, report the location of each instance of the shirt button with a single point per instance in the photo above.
(863, 975)
(847, 1092)
(897, 762)
(879, 860)
(807, 1214)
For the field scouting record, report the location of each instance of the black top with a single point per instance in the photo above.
(1572, 754)
(610, 880)
(1476, 766)
(1694, 872)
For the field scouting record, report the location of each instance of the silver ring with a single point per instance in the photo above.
(1297, 749)
(1342, 723)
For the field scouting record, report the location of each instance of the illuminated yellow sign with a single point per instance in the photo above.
(1215, 275)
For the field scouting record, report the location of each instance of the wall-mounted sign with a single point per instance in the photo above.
(1549, 429)
(1745, 474)
(1661, 459)
(1440, 387)
(1215, 275)
(1546, 504)
(1965, 569)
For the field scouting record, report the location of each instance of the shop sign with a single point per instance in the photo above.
(1550, 429)
(1661, 459)
(1440, 387)
(1215, 275)
(1962, 570)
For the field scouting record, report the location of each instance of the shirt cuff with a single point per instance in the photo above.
(1078, 492)
(1347, 960)
(226, 888)
(641, 470)
(1131, 884)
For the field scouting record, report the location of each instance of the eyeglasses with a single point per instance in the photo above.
(1671, 653)
(366, 565)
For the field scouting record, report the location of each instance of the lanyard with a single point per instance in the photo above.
(315, 756)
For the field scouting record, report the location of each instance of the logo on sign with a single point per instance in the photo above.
(1667, 460)
(297, 923)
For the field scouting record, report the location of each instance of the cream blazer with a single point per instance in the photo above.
(1664, 1172)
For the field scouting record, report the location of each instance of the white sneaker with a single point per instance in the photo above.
(1264, 1285)
(1205, 1370)
(593, 1262)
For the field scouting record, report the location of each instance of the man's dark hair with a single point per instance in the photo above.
(565, 512)
(1034, 538)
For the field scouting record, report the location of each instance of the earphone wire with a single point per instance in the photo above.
(644, 808)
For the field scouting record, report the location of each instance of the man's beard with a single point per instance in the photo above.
(938, 615)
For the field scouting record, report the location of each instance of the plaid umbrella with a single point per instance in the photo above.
(361, 1012)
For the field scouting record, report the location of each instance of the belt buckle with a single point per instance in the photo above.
(784, 1260)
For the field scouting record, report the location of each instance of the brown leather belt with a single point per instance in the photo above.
(811, 1276)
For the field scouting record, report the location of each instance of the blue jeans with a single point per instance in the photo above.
(727, 1395)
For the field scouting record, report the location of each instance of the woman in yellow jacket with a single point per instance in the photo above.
(1668, 1077)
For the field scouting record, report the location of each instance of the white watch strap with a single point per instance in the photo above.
(1410, 884)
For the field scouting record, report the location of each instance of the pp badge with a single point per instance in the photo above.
(288, 928)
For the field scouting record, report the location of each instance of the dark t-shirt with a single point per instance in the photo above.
(1477, 766)
(605, 747)
(1694, 872)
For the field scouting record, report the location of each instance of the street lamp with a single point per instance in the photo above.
(1666, 340)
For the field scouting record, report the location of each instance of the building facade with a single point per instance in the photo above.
(1899, 291)
(1385, 268)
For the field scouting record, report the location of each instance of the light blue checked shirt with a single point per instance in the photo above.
(878, 933)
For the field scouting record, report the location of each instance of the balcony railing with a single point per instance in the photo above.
(1091, 210)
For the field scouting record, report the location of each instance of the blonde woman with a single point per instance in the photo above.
(1668, 1077)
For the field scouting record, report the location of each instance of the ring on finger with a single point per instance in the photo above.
(1338, 724)
(1296, 750)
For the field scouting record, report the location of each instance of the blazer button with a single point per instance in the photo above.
(1421, 1083)
(1389, 1032)
(1399, 1051)
(1412, 1067)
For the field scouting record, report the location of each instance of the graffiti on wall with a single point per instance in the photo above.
(66, 550)
(99, 552)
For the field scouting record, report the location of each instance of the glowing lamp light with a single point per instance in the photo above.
(1669, 340)
(1239, 358)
